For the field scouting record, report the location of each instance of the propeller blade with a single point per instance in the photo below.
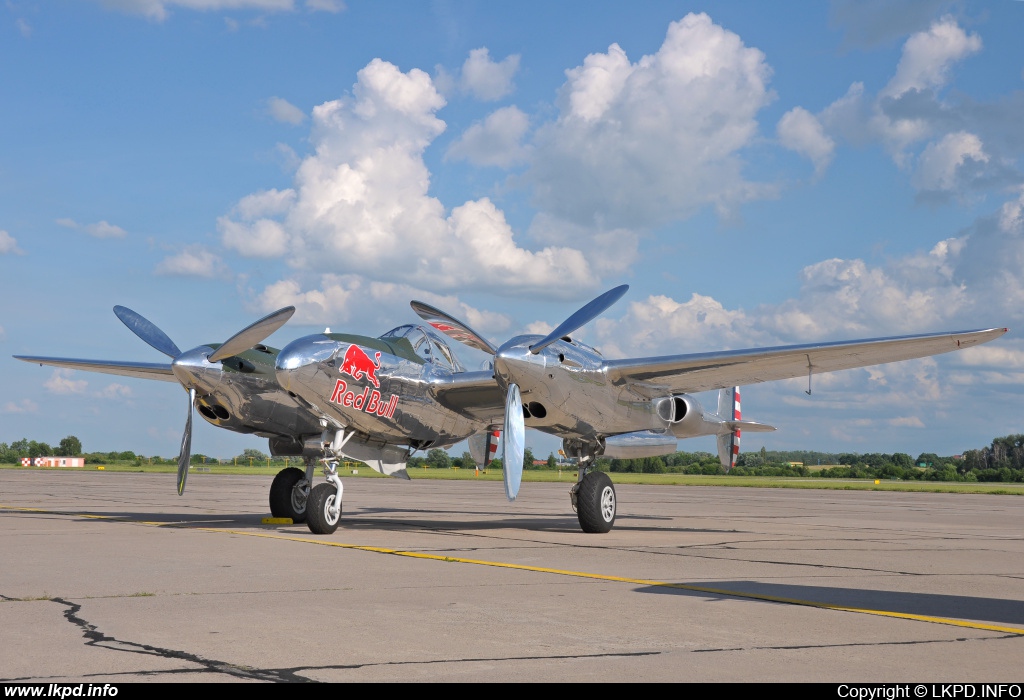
(452, 327)
(186, 444)
(582, 317)
(513, 442)
(147, 331)
(252, 334)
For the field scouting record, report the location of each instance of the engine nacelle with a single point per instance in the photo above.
(684, 415)
(645, 443)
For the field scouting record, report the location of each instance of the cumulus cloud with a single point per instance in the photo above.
(929, 55)
(284, 111)
(360, 205)
(944, 163)
(100, 229)
(193, 261)
(639, 144)
(968, 281)
(8, 244)
(800, 131)
(115, 391)
(498, 140)
(486, 79)
(60, 382)
(949, 145)
(23, 406)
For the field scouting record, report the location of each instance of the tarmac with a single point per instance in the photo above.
(112, 577)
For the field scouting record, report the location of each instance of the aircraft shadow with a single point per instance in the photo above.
(929, 604)
(394, 518)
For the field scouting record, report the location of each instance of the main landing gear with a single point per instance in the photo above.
(593, 494)
(289, 492)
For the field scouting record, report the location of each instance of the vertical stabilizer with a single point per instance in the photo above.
(729, 442)
(484, 448)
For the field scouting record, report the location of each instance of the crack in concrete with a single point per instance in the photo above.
(97, 638)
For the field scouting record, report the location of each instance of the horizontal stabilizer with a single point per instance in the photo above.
(749, 425)
(140, 370)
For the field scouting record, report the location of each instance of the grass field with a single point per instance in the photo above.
(569, 477)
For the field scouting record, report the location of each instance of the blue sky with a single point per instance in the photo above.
(758, 177)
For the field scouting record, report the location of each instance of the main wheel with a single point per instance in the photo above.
(318, 513)
(288, 496)
(595, 503)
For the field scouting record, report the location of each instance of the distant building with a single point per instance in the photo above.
(53, 462)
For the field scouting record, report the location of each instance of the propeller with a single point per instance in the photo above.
(147, 331)
(513, 442)
(514, 438)
(452, 327)
(251, 335)
(582, 317)
(186, 444)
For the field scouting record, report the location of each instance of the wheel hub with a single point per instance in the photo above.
(608, 504)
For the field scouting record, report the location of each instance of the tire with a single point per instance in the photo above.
(596, 503)
(319, 520)
(285, 500)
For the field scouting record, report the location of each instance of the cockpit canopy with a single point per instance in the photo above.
(428, 345)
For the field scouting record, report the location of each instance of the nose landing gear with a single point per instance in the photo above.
(323, 509)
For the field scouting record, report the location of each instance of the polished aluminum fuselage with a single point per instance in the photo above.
(242, 394)
(390, 399)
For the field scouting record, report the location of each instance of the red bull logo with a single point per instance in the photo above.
(357, 364)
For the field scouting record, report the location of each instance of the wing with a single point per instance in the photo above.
(141, 370)
(473, 394)
(717, 370)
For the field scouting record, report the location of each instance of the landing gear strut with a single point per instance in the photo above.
(324, 505)
(593, 494)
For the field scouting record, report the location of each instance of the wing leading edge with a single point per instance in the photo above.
(717, 370)
(140, 370)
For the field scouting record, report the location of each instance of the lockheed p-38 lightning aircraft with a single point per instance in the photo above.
(330, 396)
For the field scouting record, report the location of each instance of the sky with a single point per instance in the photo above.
(758, 177)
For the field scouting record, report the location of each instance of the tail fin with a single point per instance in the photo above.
(484, 448)
(729, 442)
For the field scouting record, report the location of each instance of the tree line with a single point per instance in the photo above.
(1001, 461)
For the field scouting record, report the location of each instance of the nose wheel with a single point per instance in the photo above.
(324, 509)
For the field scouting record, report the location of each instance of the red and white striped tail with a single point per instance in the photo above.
(729, 443)
(492, 446)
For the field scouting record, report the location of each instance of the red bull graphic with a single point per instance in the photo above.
(357, 364)
(370, 401)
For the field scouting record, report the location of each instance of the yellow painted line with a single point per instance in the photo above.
(558, 572)
(636, 581)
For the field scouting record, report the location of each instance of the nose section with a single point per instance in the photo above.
(514, 363)
(194, 371)
(300, 357)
